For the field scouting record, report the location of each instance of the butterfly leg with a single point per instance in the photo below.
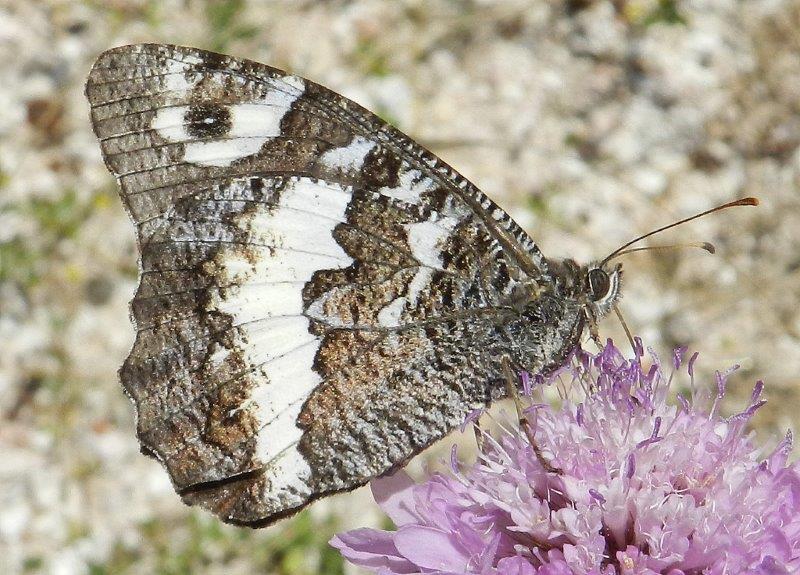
(594, 333)
(522, 417)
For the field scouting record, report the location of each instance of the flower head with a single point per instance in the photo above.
(617, 481)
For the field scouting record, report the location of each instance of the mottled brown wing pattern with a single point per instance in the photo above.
(320, 297)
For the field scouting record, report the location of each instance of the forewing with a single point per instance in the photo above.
(320, 297)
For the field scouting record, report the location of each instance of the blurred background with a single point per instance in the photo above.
(589, 121)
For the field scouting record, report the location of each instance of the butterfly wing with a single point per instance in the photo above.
(320, 297)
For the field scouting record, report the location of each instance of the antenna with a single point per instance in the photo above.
(709, 247)
(743, 202)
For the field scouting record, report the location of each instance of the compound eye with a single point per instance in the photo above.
(599, 284)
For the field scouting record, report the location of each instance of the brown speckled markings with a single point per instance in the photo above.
(180, 394)
(320, 297)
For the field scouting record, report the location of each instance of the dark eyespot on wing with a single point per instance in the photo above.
(207, 120)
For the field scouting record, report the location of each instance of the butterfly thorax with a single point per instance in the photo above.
(546, 322)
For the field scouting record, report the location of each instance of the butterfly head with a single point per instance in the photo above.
(595, 287)
(601, 287)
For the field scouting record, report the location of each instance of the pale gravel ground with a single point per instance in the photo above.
(588, 128)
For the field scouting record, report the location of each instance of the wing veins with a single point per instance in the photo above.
(234, 243)
(167, 415)
(196, 438)
(151, 130)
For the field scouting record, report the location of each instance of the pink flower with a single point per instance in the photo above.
(624, 482)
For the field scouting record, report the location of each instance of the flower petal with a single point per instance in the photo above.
(372, 548)
(515, 566)
(430, 548)
(395, 495)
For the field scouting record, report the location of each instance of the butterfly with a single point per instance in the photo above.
(320, 297)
